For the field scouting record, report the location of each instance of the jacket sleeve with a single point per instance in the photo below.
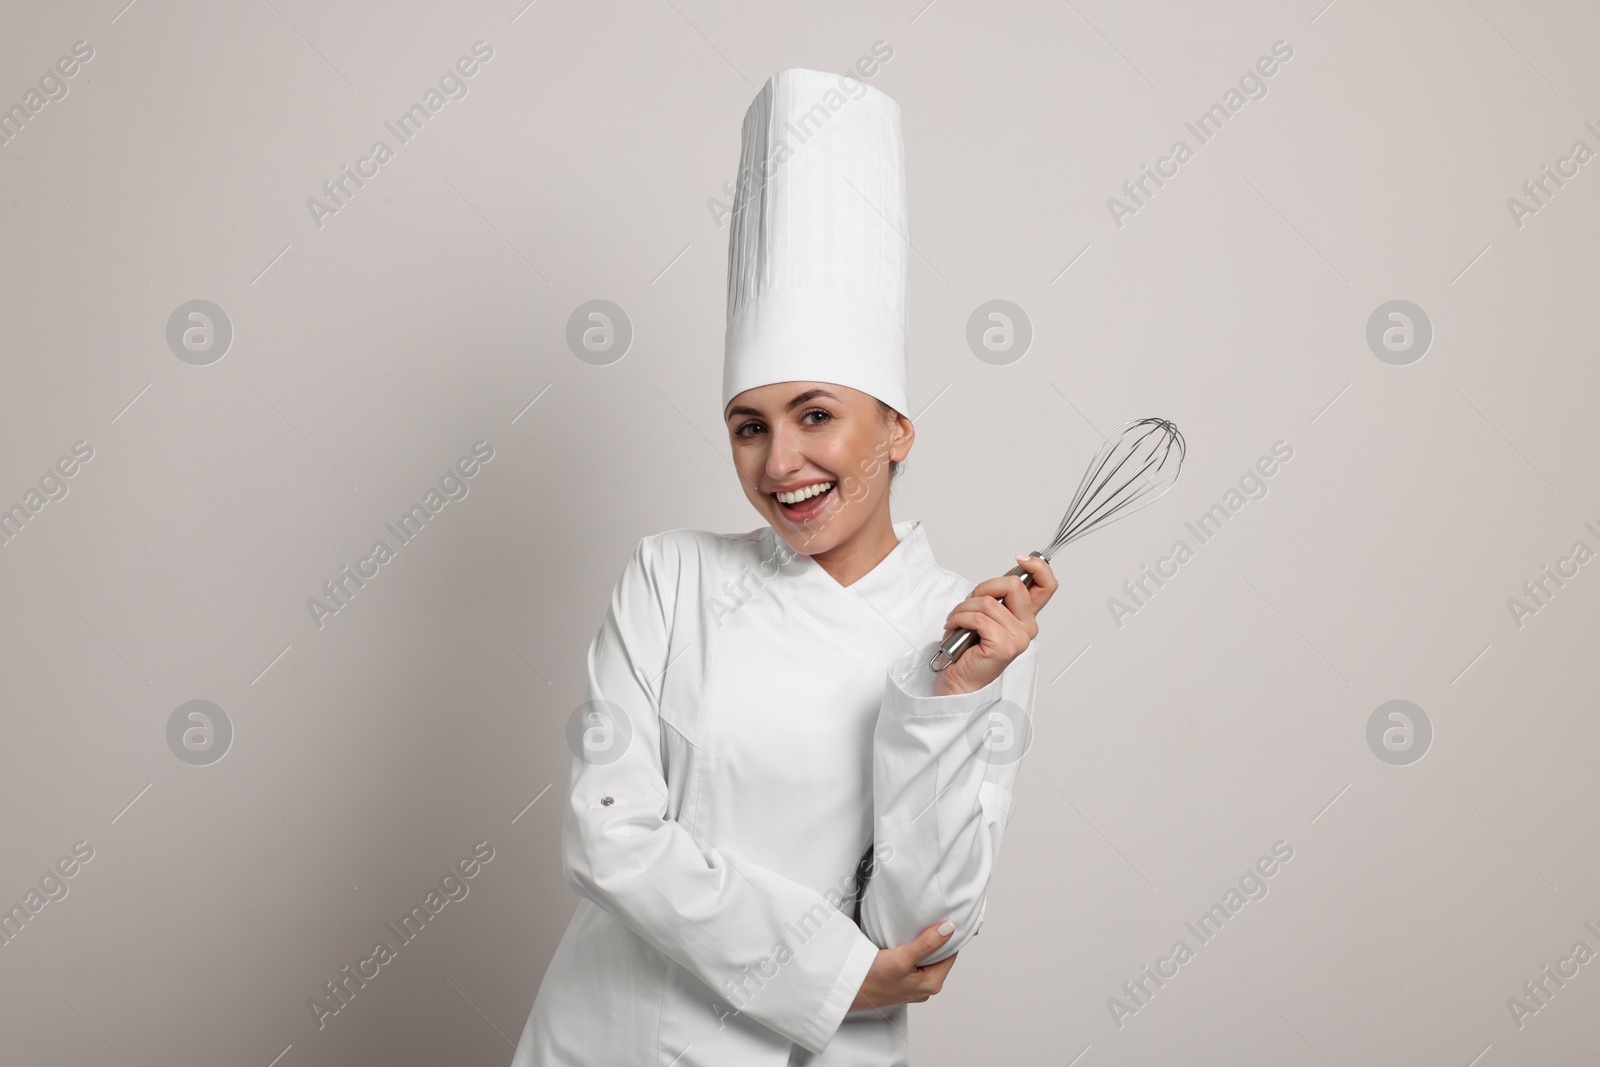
(775, 950)
(943, 775)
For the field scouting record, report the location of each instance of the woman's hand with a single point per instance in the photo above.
(1002, 612)
(895, 978)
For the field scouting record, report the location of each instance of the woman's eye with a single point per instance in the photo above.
(817, 411)
(740, 432)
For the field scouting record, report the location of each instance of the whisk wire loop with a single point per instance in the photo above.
(1138, 462)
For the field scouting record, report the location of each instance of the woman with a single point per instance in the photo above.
(781, 821)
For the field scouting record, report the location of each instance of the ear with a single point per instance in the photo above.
(901, 438)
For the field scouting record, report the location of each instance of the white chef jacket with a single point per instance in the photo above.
(772, 725)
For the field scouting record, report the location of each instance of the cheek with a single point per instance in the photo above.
(868, 471)
(748, 460)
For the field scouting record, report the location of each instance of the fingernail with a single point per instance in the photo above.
(947, 928)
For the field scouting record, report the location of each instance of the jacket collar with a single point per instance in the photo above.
(885, 592)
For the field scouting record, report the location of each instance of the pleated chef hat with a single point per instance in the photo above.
(818, 267)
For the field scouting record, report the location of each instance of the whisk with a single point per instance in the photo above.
(1138, 463)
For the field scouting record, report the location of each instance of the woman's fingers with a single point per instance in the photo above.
(895, 978)
(937, 971)
(1009, 590)
(1002, 611)
(1044, 580)
(970, 619)
(1023, 601)
(995, 625)
(988, 600)
(996, 642)
(928, 942)
(1020, 602)
(928, 980)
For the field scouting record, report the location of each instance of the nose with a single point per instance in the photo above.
(783, 453)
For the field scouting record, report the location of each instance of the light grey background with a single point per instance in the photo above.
(369, 354)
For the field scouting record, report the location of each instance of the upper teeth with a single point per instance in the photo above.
(803, 494)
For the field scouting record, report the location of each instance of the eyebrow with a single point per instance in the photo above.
(809, 394)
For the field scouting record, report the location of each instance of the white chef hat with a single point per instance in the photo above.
(818, 265)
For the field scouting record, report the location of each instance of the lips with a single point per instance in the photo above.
(810, 506)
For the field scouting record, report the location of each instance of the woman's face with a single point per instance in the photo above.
(828, 441)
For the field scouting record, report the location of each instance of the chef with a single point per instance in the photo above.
(780, 821)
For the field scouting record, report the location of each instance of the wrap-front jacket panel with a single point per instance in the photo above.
(759, 740)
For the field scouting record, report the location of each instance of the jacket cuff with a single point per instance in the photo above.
(910, 689)
(817, 1033)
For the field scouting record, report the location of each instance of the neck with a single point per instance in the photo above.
(859, 554)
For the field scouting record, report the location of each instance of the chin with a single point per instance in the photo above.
(813, 544)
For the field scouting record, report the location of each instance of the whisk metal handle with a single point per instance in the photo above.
(963, 638)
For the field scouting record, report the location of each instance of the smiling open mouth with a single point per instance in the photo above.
(806, 502)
